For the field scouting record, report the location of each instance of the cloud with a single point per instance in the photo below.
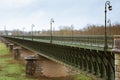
(12, 4)
(23, 13)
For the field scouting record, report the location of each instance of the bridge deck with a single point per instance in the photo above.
(95, 43)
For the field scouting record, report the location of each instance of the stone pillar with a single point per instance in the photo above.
(39, 69)
(116, 51)
(11, 47)
(31, 65)
(7, 44)
(17, 52)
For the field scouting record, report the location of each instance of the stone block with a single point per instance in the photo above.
(117, 62)
(117, 43)
(117, 68)
(117, 79)
(117, 56)
(117, 75)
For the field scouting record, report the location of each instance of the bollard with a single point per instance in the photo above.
(116, 51)
(17, 52)
(31, 65)
(11, 46)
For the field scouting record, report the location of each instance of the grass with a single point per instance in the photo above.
(3, 49)
(82, 77)
(11, 69)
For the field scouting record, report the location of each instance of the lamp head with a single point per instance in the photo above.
(110, 7)
(52, 20)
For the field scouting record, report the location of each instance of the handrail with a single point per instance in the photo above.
(88, 41)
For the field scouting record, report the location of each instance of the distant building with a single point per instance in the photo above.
(2, 32)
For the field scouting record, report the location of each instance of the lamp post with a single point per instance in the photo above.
(17, 33)
(32, 30)
(5, 33)
(23, 32)
(72, 30)
(51, 21)
(107, 3)
(109, 22)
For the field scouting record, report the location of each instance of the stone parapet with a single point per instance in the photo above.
(116, 51)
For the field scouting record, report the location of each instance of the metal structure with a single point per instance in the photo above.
(96, 62)
(90, 42)
(51, 21)
(72, 30)
(109, 21)
(23, 32)
(5, 31)
(107, 3)
(32, 30)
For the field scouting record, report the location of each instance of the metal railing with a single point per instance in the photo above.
(77, 41)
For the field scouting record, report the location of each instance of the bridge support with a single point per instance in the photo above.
(7, 43)
(11, 47)
(17, 52)
(37, 66)
(31, 65)
(116, 51)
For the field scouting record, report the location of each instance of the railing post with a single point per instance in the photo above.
(116, 51)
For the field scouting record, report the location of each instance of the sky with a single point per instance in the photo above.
(17, 14)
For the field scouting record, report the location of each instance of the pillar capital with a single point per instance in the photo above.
(31, 58)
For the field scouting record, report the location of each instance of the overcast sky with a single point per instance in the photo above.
(16, 14)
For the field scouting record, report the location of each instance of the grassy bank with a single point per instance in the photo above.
(82, 77)
(11, 69)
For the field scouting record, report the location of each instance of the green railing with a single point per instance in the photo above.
(89, 42)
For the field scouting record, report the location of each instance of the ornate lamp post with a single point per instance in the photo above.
(109, 21)
(51, 21)
(109, 24)
(72, 29)
(5, 31)
(17, 32)
(32, 30)
(107, 3)
(23, 32)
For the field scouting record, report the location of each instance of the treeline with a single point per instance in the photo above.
(70, 31)
(89, 30)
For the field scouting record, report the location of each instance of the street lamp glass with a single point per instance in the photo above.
(52, 20)
(110, 7)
